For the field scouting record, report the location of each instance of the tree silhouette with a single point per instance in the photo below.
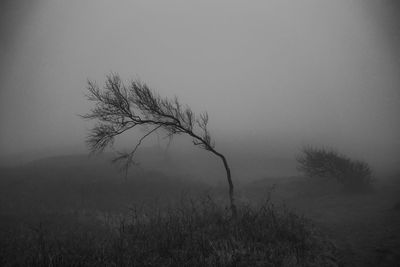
(322, 162)
(119, 108)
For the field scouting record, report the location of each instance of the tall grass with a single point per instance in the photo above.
(196, 233)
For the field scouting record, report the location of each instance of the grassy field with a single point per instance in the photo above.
(62, 212)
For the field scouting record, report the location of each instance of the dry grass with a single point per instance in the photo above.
(195, 233)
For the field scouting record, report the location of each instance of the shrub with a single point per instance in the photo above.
(321, 162)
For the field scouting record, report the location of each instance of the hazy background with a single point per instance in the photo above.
(273, 75)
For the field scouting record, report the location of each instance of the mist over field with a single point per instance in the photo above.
(278, 72)
(273, 76)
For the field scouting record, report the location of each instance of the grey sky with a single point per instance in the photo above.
(310, 71)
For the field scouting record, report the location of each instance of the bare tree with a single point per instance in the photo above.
(119, 108)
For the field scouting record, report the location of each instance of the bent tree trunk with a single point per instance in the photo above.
(229, 178)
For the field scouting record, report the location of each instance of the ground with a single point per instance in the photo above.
(365, 227)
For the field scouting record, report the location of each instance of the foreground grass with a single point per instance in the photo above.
(194, 233)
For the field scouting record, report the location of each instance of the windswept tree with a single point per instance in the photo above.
(119, 108)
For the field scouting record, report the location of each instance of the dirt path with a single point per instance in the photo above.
(373, 241)
(364, 227)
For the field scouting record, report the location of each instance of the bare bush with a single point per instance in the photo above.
(321, 162)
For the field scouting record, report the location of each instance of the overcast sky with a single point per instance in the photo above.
(312, 71)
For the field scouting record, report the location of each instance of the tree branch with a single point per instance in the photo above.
(129, 156)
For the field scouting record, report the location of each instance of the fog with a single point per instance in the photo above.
(283, 82)
(273, 75)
